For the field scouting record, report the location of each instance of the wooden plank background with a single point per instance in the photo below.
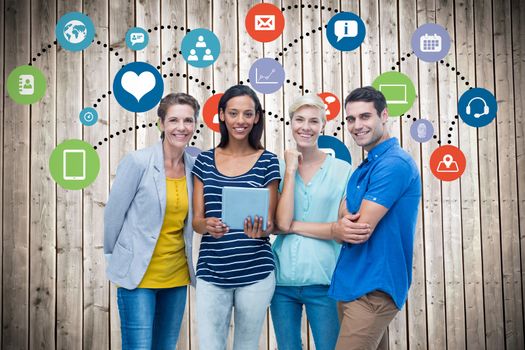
(469, 266)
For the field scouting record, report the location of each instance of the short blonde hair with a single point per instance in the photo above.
(310, 100)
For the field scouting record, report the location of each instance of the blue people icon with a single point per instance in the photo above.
(75, 31)
(200, 48)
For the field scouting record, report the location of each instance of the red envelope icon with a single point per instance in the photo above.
(264, 22)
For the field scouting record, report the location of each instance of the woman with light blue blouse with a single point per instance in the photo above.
(311, 199)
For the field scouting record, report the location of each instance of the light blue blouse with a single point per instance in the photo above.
(303, 261)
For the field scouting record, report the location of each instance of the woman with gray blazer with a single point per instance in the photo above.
(148, 231)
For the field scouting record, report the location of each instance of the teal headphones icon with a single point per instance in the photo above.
(486, 108)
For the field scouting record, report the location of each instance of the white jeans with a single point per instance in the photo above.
(214, 309)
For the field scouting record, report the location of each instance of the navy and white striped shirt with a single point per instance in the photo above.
(234, 260)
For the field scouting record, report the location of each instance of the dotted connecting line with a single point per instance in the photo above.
(124, 131)
(98, 42)
(42, 51)
(309, 6)
(402, 59)
(458, 74)
(295, 41)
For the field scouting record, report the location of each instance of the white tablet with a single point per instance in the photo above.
(239, 202)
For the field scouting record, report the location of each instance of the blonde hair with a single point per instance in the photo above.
(310, 100)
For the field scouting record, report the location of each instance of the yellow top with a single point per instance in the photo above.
(168, 267)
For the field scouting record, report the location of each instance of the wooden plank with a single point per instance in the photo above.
(293, 66)
(312, 55)
(2, 118)
(228, 62)
(96, 288)
(370, 54)
(69, 203)
(249, 51)
(451, 200)
(352, 76)
(508, 187)
(275, 123)
(42, 280)
(470, 208)
(292, 60)
(332, 73)
(416, 322)
(16, 176)
(198, 15)
(488, 181)
(148, 16)
(518, 50)
(121, 18)
(428, 105)
(173, 13)
(389, 48)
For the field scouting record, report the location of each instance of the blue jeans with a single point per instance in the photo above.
(151, 318)
(214, 310)
(287, 307)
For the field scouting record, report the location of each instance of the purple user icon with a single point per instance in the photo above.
(266, 75)
(422, 130)
(430, 42)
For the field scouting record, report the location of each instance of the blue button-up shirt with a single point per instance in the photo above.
(389, 177)
(304, 261)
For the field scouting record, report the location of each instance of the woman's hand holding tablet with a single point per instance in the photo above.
(255, 230)
(215, 227)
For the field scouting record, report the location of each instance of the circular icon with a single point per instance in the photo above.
(264, 22)
(447, 163)
(200, 48)
(88, 116)
(430, 42)
(422, 130)
(334, 147)
(137, 38)
(138, 87)
(266, 75)
(193, 151)
(331, 103)
(477, 107)
(74, 164)
(399, 92)
(210, 112)
(75, 31)
(346, 31)
(26, 85)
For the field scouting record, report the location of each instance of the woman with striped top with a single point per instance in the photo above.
(235, 267)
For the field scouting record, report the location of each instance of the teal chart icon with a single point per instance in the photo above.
(75, 31)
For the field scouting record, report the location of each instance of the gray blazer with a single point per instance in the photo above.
(135, 212)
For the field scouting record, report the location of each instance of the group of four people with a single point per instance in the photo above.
(341, 236)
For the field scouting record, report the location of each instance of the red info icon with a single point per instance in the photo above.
(264, 22)
(331, 103)
(210, 112)
(447, 163)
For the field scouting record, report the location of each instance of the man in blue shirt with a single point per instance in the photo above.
(374, 269)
